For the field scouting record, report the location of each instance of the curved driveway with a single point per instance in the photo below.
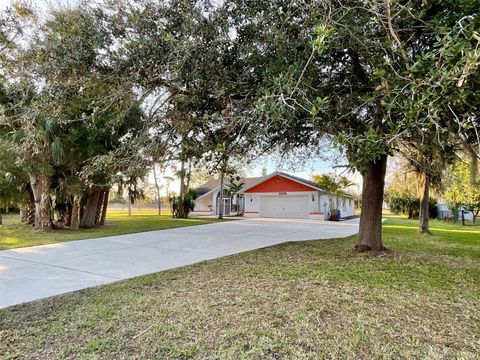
(41, 271)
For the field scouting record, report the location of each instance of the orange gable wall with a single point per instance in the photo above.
(279, 184)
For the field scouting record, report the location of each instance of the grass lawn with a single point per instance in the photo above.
(14, 234)
(302, 300)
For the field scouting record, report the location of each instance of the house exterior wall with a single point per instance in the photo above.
(318, 204)
(279, 184)
(348, 209)
(204, 205)
(345, 204)
(207, 205)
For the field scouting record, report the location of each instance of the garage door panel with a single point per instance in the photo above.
(294, 206)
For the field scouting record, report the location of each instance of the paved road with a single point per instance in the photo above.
(41, 271)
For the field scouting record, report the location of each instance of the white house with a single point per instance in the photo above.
(444, 212)
(278, 195)
(208, 200)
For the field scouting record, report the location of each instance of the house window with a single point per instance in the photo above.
(349, 202)
(343, 202)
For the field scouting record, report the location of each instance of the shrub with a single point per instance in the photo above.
(404, 204)
(181, 206)
(410, 205)
(433, 209)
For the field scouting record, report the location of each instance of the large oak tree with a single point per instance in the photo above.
(358, 71)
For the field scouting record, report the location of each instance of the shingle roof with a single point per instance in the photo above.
(307, 182)
(288, 176)
(213, 184)
(208, 186)
(249, 182)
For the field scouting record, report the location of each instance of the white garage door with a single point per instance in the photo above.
(295, 206)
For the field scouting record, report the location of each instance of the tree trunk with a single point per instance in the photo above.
(98, 212)
(1, 221)
(158, 190)
(68, 221)
(182, 179)
(188, 175)
(129, 201)
(88, 219)
(424, 211)
(222, 180)
(41, 194)
(474, 169)
(81, 210)
(474, 156)
(370, 229)
(104, 207)
(28, 206)
(75, 221)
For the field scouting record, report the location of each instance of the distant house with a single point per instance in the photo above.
(278, 195)
(444, 212)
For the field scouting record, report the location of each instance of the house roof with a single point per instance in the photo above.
(207, 187)
(313, 184)
(214, 184)
(288, 176)
(303, 181)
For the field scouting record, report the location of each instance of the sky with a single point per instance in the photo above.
(39, 3)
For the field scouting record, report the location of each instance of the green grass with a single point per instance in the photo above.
(301, 300)
(14, 234)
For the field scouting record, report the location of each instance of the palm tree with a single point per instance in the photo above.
(327, 182)
(234, 189)
(333, 184)
(345, 183)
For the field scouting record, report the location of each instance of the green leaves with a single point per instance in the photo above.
(58, 155)
(322, 32)
(50, 127)
(364, 148)
(461, 192)
(320, 104)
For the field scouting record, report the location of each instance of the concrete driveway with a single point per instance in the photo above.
(41, 271)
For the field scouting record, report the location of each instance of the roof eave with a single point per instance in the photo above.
(279, 173)
(225, 186)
